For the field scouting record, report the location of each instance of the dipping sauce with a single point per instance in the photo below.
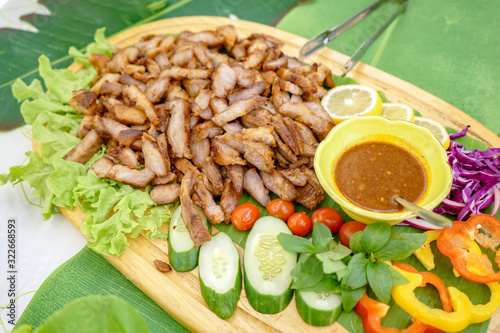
(371, 173)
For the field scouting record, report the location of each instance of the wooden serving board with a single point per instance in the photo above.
(179, 293)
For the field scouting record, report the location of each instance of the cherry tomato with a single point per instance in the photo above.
(244, 216)
(300, 224)
(348, 229)
(280, 208)
(329, 217)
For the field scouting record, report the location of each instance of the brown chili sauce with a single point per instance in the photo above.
(371, 173)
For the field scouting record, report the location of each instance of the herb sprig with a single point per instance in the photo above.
(325, 264)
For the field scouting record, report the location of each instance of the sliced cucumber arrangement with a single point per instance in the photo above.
(318, 308)
(267, 266)
(220, 275)
(182, 253)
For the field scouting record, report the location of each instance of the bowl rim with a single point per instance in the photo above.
(351, 208)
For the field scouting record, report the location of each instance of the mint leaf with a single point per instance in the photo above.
(351, 297)
(308, 273)
(356, 276)
(396, 277)
(355, 243)
(379, 279)
(375, 236)
(296, 244)
(391, 250)
(322, 237)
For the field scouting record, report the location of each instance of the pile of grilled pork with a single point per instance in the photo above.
(202, 117)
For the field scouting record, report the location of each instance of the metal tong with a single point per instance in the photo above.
(320, 40)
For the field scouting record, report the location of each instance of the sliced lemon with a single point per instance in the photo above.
(436, 128)
(343, 102)
(395, 111)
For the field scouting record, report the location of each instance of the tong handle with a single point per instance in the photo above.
(326, 36)
(356, 56)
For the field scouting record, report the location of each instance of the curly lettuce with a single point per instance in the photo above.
(113, 210)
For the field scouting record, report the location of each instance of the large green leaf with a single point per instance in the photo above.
(73, 23)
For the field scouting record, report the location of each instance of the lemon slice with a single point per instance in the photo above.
(436, 128)
(394, 111)
(343, 102)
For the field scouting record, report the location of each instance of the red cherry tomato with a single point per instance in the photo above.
(300, 224)
(329, 217)
(348, 229)
(244, 216)
(280, 208)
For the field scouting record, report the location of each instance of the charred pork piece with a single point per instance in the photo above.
(197, 229)
(83, 102)
(86, 148)
(105, 168)
(165, 194)
(253, 184)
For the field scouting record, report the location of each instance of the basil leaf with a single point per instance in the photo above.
(330, 264)
(351, 297)
(375, 236)
(327, 283)
(379, 279)
(308, 273)
(356, 276)
(342, 273)
(413, 242)
(396, 277)
(296, 244)
(391, 250)
(321, 237)
(355, 243)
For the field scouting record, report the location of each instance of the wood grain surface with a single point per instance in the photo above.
(179, 293)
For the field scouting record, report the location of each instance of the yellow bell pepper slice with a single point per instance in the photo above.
(464, 314)
(424, 253)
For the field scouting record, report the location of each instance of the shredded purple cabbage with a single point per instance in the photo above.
(476, 180)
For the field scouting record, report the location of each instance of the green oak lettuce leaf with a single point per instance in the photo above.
(101, 46)
(114, 210)
(93, 314)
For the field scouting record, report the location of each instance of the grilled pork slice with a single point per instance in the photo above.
(165, 194)
(213, 178)
(212, 211)
(297, 176)
(238, 109)
(153, 158)
(129, 115)
(197, 229)
(312, 193)
(224, 154)
(229, 34)
(223, 80)
(252, 183)
(178, 131)
(229, 200)
(142, 103)
(86, 148)
(128, 157)
(300, 112)
(276, 183)
(109, 127)
(105, 168)
(235, 173)
(83, 102)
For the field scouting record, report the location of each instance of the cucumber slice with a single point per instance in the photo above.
(220, 274)
(267, 266)
(182, 253)
(321, 308)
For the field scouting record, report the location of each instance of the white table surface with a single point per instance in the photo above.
(41, 246)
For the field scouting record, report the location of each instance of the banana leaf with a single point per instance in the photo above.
(397, 317)
(73, 23)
